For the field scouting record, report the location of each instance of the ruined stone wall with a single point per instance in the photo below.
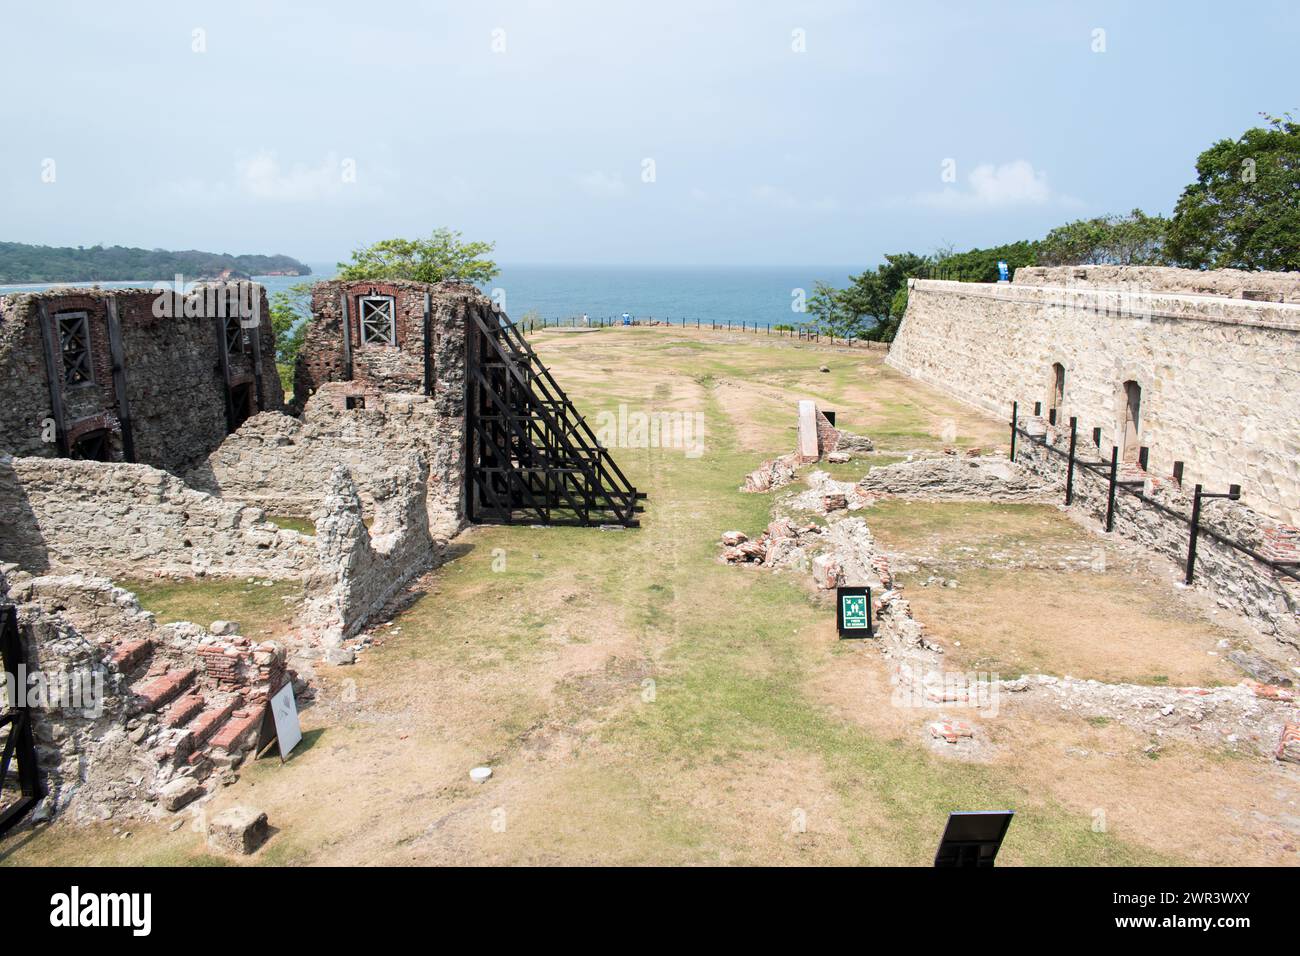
(360, 568)
(398, 367)
(136, 718)
(1229, 283)
(284, 464)
(175, 395)
(116, 518)
(1217, 375)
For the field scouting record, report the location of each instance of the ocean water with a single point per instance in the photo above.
(759, 294)
(762, 295)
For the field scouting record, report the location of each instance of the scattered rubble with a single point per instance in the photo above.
(770, 475)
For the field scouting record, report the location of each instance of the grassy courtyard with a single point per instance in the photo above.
(640, 702)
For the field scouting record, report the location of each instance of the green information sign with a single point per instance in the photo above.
(853, 613)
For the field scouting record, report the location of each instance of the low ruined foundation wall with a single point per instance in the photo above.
(1239, 582)
(1214, 373)
(284, 464)
(115, 518)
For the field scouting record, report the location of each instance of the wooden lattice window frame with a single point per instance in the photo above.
(377, 319)
(74, 346)
(236, 336)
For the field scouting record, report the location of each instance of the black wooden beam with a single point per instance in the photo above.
(54, 375)
(118, 358)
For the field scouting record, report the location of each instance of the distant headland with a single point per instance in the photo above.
(21, 263)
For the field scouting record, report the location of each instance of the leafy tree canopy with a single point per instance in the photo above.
(1133, 240)
(442, 256)
(1243, 211)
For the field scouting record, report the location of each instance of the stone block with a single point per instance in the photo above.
(238, 831)
(179, 793)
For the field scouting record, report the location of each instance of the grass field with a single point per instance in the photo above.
(640, 702)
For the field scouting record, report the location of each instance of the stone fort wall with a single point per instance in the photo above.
(1217, 375)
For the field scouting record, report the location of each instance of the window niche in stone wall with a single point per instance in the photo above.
(1132, 420)
(378, 320)
(1056, 400)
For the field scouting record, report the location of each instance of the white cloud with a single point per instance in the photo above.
(1016, 183)
(262, 177)
(601, 185)
(778, 198)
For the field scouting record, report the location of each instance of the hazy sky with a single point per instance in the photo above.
(532, 124)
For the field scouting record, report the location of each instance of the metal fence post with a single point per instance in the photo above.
(1110, 498)
(1015, 407)
(1069, 472)
(1196, 527)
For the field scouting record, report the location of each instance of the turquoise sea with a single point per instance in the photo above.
(758, 294)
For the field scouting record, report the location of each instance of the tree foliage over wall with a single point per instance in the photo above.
(1133, 240)
(20, 262)
(1242, 212)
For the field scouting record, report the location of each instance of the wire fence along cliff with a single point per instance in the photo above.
(756, 328)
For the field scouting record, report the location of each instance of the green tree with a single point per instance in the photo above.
(981, 265)
(1243, 211)
(442, 256)
(1133, 240)
(871, 295)
(290, 309)
(830, 315)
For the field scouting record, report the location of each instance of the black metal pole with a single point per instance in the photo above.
(1015, 409)
(1069, 471)
(1196, 528)
(1110, 499)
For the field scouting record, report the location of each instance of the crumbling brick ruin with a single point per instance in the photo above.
(145, 434)
(133, 375)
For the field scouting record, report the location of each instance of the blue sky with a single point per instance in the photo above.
(531, 124)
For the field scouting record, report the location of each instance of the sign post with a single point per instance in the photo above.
(280, 723)
(853, 611)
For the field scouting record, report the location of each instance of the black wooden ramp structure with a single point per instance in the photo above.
(18, 752)
(531, 458)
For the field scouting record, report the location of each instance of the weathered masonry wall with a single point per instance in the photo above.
(178, 702)
(1226, 283)
(377, 354)
(116, 518)
(132, 520)
(284, 464)
(1238, 582)
(153, 385)
(361, 569)
(1215, 377)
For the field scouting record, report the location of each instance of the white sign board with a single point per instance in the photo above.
(284, 711)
